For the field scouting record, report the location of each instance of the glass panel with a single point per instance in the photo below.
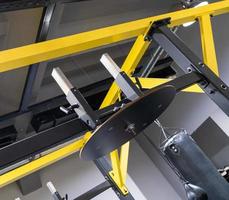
(17, 28)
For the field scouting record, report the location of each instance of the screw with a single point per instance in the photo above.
(212, 92)
(224, 87)
(189, 69)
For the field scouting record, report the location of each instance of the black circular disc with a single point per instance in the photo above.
(127, 123)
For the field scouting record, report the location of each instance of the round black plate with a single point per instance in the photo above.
(127, 123)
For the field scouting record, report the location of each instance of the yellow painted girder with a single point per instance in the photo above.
(124, 155)
(40, 163)
(56, 48)
(207, 42)
(120, 168)
(148, 83)
(131, 62)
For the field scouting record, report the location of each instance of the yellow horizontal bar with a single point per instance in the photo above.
(40, 163)
(148, 83)
(30, 54)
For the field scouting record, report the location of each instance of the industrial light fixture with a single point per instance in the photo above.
(192, 4)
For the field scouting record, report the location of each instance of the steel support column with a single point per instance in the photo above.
(207, 41)
(119, 165)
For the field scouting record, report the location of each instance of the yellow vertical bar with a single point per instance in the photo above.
(207, 41)
(124, 155)
(116, 171)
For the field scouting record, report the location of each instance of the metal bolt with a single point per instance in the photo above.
(130, 128)
(224, 87)
(189, 69)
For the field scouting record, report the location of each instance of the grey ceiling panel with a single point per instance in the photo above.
(71, 18)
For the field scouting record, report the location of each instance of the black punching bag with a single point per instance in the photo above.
(182, 151)
(194, 192)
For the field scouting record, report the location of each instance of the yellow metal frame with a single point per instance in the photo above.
(40, 163)
(52, 49)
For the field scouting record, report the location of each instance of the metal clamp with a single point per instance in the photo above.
(76, 100)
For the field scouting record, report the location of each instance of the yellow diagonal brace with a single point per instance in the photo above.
(207, 41)
(131, 62)
(128, 67)
(40, 163)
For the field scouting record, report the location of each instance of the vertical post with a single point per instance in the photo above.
(120, 165)
(33, 69)
(207, 41)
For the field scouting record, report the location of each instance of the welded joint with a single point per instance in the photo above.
(154, 26)
(121, 189)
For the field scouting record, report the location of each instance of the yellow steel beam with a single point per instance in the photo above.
(148, 83)
(124, 155)
(207, 41)
(116, 173)
(34, 53)
(40, 163)
(131, 62)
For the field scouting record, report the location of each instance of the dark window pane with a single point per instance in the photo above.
(17, 28)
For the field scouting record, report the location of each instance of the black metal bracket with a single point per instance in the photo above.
(154, 26)
(76, 100)
(211, 84)
(82, 108)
